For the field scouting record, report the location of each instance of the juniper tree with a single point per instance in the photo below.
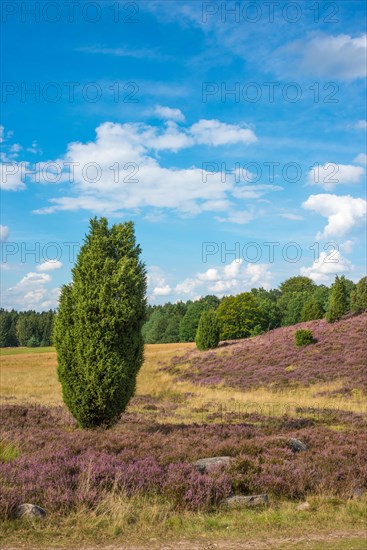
(97, 330)
(338, 304)
(207, 335)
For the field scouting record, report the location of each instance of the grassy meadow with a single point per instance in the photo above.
(135, 483)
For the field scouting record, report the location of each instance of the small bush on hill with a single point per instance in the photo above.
(304, 337)
(207, 336)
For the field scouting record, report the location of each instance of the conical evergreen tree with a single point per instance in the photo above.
(359, 296)
(97, 330)
(338, 304)
(207, 336)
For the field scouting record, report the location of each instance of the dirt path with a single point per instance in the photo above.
(282, 542)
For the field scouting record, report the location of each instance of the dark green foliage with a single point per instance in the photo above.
(17, 329)
(207, 335)
(312, 310)
(304, 337)
(172, 332)
(98, 326)
(358, 299)
(155, 327)
(338, 305)
(163, 323)
(26, 328)
(322, 295)
(270, 313)
(297, 284)
(350, 288)
(292, 305)
(190, 322)
(33, 342)
(238, 315)
(8, 335)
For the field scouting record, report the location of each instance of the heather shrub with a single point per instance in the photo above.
(263, 361)
(304, 337)
(62, 467)
(207, 335)
(97, 330)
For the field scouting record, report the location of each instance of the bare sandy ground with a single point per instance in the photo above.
(285, 542)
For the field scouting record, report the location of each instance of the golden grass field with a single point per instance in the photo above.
(30, 377)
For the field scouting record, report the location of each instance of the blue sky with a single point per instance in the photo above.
(232, 133)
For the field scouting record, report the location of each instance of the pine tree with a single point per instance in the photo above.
(207, 335)
(338, 304)
(5, 328)
(97, 330)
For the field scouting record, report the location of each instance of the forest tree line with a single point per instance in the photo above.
(246, 314)
(252, 313)
(27, 328)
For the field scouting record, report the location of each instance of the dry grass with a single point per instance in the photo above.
(31, 378)
(141, 519)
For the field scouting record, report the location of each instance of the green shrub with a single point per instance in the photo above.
(207, 335)
(97, 332)
(304, 337)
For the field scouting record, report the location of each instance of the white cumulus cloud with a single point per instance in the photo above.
(361, 159)
(343, 213)
(126, 174)
(12, 176)
(49, 265)
(326, 266)
(169, 114)
(231, 278)
(337, 57)
(214, 132)
(329, 175)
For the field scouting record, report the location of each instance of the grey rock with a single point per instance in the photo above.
(303, 506)
(297, 445)
(29, 511)
(207, 464)
(241, 501)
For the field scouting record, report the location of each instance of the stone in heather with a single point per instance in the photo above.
(296, 445)
(207, 464)
(303, 506)
(241, 501)
(29, 511)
